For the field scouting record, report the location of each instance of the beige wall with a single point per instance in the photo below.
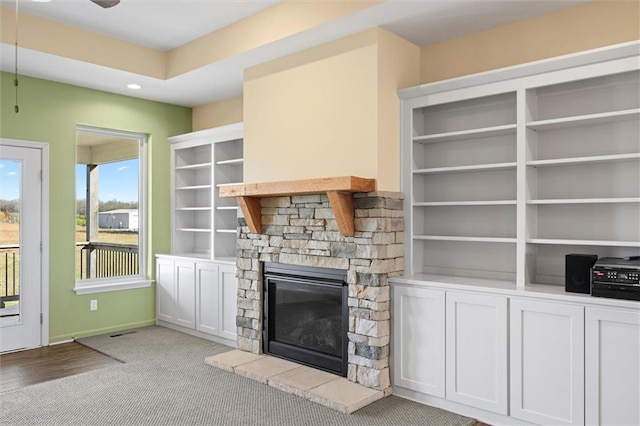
(318, 113)
(216, 114)
(571, 30)
(312, 114)
(398, 66)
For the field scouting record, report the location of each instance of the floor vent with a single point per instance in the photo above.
(122, 334)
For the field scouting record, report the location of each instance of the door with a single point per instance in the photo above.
(418, 330)
(476, 352)
(165, 290)
(21, 274)
(612, 366)
(547, 362)
(229, 297)
(207, 298)
(185, 289)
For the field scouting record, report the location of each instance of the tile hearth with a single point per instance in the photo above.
(337, 393)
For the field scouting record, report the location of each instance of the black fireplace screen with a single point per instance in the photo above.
(306, 315)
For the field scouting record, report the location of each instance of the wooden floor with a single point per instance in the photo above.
(32, 366)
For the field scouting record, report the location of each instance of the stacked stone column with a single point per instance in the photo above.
(301, 230)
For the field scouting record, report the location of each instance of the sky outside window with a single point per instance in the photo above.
(10, 180)
(116, 181)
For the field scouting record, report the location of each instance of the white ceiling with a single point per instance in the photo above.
(166, 24)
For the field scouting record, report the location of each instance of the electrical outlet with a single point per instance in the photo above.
(93, 305)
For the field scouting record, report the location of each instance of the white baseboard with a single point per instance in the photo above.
(464, 410)
(61, 342)
(217, 339)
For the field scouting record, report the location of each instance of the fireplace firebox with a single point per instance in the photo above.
(306, 315)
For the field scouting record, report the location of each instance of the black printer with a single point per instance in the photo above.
(617, 278)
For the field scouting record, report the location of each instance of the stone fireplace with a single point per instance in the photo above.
(302, 230)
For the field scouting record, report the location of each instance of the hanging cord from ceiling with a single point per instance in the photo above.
(16, 108)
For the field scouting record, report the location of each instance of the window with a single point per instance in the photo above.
(110, 210)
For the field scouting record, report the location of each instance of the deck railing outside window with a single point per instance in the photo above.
(9, 273)
(105, 260)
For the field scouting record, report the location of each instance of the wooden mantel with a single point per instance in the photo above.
(339, 190)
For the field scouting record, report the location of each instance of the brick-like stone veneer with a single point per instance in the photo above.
(301, 230)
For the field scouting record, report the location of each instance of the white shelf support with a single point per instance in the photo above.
(523, 110)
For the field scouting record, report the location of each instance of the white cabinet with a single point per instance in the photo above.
(460, 356)
(176, 291)
(476, 350)
(198, 296)
(547, 362)
(510, 358)
(203, 224)
(612, 366)
(419, 339)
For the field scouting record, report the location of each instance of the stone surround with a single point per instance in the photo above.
(301, 230)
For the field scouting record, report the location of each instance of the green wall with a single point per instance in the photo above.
(49, 112)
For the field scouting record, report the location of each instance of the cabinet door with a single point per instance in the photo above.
(418, 342)
(547, 362)
(612, 365)
(229, 299)
(476, 335)
(185, 296)
(207, 298)
(165, 290)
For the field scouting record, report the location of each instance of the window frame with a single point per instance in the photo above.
(142, 279)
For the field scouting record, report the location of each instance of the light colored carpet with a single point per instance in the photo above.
(165, 381)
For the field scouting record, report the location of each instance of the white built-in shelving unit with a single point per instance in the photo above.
(203, 224)
(196, 285)
(505, 173)
(463, 187)
(228, 170)
(582, 143)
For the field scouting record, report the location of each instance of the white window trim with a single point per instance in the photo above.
(102, 285)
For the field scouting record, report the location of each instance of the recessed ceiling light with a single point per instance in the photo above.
(134, 86)
(41, 1)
